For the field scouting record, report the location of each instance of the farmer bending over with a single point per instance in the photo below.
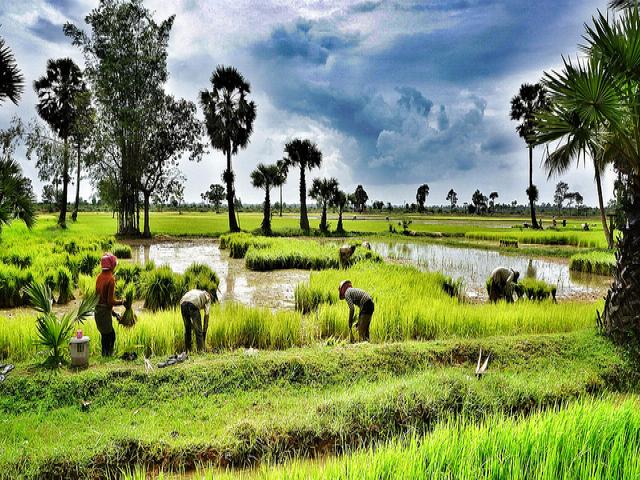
(105, 289)
(190, 305)
(355, 296)
(501, 283)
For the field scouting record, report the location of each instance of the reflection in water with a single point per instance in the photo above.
(265, 289)
(474, 267)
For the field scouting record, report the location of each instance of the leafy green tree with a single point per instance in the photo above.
(530, 100)
(126, 65)
(479, 201)
(16, 193)
(229, 118)
(360, 196)
(492, 200)
(452, 197)
(594, 109)
(176, 131)
(323, 191)
(421, 196)
(214, 196)
(562, 188)
(340, 201)
(57, 91)
(266, 177)
(11, 80)
(81, 137)
(305, 155)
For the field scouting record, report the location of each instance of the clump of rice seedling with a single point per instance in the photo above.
(600, 263)
(88, 261)
(129, 317)
(161, 288)
(129, 272)
(534, 289)
(202, 277)
(12, 282)
(86, 285)
(121, 250)
(64, 286)
(21, 259)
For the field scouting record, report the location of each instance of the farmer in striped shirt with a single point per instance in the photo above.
(355, 296)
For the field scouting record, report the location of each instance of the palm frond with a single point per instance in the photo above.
(86, 308)
(11, 80)
(40, 297)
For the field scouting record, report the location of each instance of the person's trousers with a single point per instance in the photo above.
(192, 321)
(364, 321)
(105, 327)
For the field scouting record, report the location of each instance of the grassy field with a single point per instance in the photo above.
(280, 385)
(238, 409)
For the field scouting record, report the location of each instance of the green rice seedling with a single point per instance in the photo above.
(577, 238)
(88, 261)
(161, 288)
(20, 258)
(534, 289)
(129, 272)
(600, 263)
(121, 251)
(64, 286)
(129, 316)
(13, 280)
(202, 277)
(86, 285)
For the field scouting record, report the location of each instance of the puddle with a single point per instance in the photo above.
(474, 267)
(260, 289)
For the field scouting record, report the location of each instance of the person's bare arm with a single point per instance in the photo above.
(351, 315)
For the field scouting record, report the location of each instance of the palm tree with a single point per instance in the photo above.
(580, 139)
(323, 191)
(524, 106)
(306, 155)
(229, 118)
(16, 195)
(57, 92)
(82, 129)
(266, 177)
(421, 196)
(340, 200)
(594, 105)
(283, 171)
(11, 80)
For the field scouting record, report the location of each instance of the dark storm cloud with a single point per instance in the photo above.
(47, 30)
(306, 41)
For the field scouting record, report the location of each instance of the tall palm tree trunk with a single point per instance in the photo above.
(62, 219)
(233, 223)
(534, 221)
(280, 200)
(339, 228)
(603, 216)
(621, 319)
(304, 219)
(266, 220)
(147, 226)
(76, 205)
(323, 220)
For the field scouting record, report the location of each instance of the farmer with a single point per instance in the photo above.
(355, 296)
(501, 283)
(190, 305)
(105, 289)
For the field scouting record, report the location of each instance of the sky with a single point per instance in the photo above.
(396, 93)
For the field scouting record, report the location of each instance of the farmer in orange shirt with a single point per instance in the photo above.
(105, 289)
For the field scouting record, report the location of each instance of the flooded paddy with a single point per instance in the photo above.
(259, 289)
(474, 266)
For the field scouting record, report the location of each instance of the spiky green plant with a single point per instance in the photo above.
(53, 333)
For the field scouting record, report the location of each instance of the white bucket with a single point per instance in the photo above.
(79, 350)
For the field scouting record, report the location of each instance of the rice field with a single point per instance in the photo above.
(600, 263)
(282, 393)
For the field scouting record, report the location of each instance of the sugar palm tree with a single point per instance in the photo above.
(229, 118)
(524, 106)
(57, 92)
(266, 177)
(11, 80)
(16, 195)
(283, 171)
(340, 200)
(599, 96)
(323, 191)
(306, 155)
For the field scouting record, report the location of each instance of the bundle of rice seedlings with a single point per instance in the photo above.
(86, 285)
(64, 285)
(88, 261)
(129, 317)
(161, 288)
(129, 272)
(121, 250)
(202, 277)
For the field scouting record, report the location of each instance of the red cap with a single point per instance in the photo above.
(108, 261)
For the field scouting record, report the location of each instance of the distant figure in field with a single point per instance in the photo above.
(585, 227)
(105, 289)
(366, 245)
(190, 305)
(564, 222)
(500, 284)
(346, 252)
(554, 222)
(353, 297)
